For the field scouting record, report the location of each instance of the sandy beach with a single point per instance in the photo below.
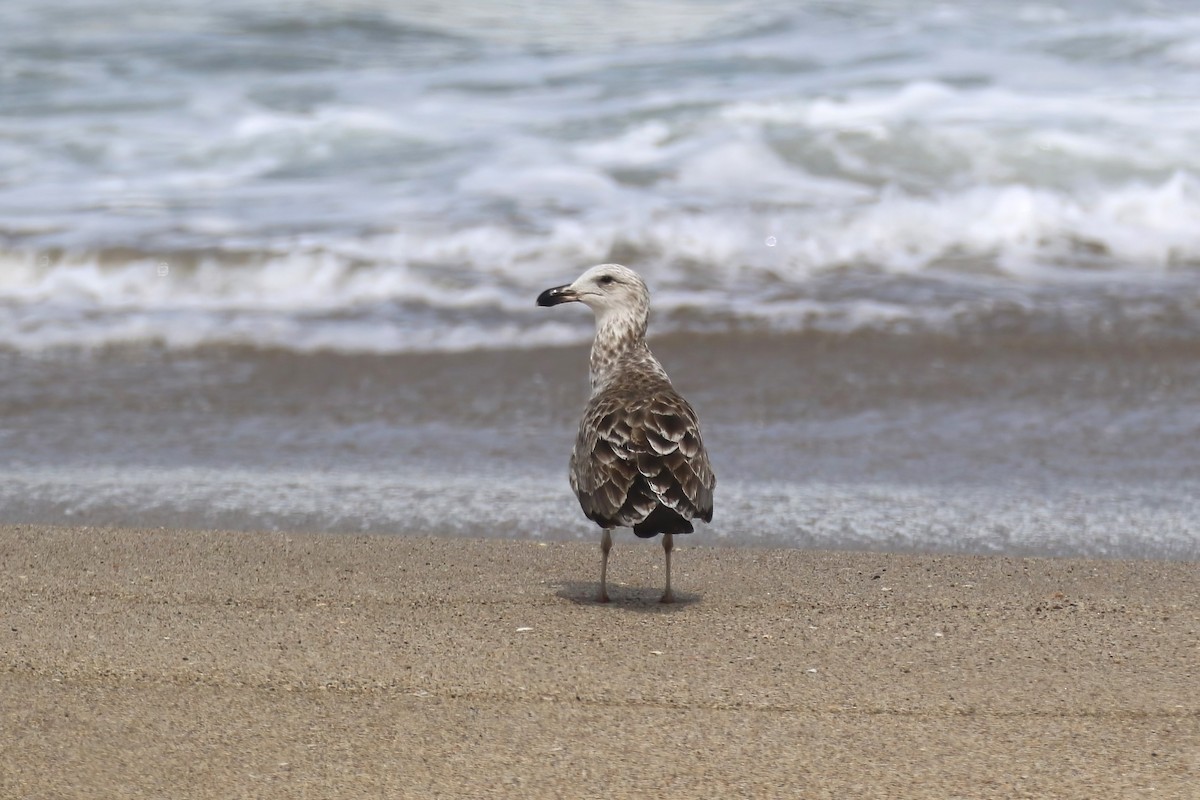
(284, 433)
(200, 664)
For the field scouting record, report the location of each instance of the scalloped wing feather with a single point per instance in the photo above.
(637, 451)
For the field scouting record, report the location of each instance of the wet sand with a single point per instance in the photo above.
(1008, 446)
(199, 664)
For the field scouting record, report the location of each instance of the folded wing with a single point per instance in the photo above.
(641, 463)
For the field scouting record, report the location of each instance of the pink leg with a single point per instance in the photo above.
(668, 546)
(605, 546)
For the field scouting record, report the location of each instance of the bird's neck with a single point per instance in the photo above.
(620, 338)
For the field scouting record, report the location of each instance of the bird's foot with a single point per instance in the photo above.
(668, 597)
(602, 597)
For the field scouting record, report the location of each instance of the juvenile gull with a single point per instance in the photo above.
(638, 461)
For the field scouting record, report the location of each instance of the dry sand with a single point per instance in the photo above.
(174, 664)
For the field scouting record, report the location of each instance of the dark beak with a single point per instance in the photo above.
(559, 294)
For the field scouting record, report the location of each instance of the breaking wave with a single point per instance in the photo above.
(370, 178)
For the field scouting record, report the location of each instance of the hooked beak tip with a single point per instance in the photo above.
(557, 295)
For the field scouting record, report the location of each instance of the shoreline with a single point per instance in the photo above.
(816, 443)
(216, 664)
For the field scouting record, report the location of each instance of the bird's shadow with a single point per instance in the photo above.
(630, 598)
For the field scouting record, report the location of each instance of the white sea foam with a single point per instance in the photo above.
(458, 289)
(311, 185)
(1082, 521)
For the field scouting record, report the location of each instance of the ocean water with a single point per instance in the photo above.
(193, 195)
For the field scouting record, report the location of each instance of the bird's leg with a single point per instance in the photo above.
(668, 546)
(605, 546)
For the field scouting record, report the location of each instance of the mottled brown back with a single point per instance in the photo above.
(639, 460)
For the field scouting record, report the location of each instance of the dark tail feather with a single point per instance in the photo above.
(662, 520)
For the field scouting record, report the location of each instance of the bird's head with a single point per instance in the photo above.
(607, 289)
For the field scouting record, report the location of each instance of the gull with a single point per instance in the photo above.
(639, 461)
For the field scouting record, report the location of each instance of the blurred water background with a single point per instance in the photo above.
(201, 203)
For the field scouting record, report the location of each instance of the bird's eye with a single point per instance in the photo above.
(605, 280)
